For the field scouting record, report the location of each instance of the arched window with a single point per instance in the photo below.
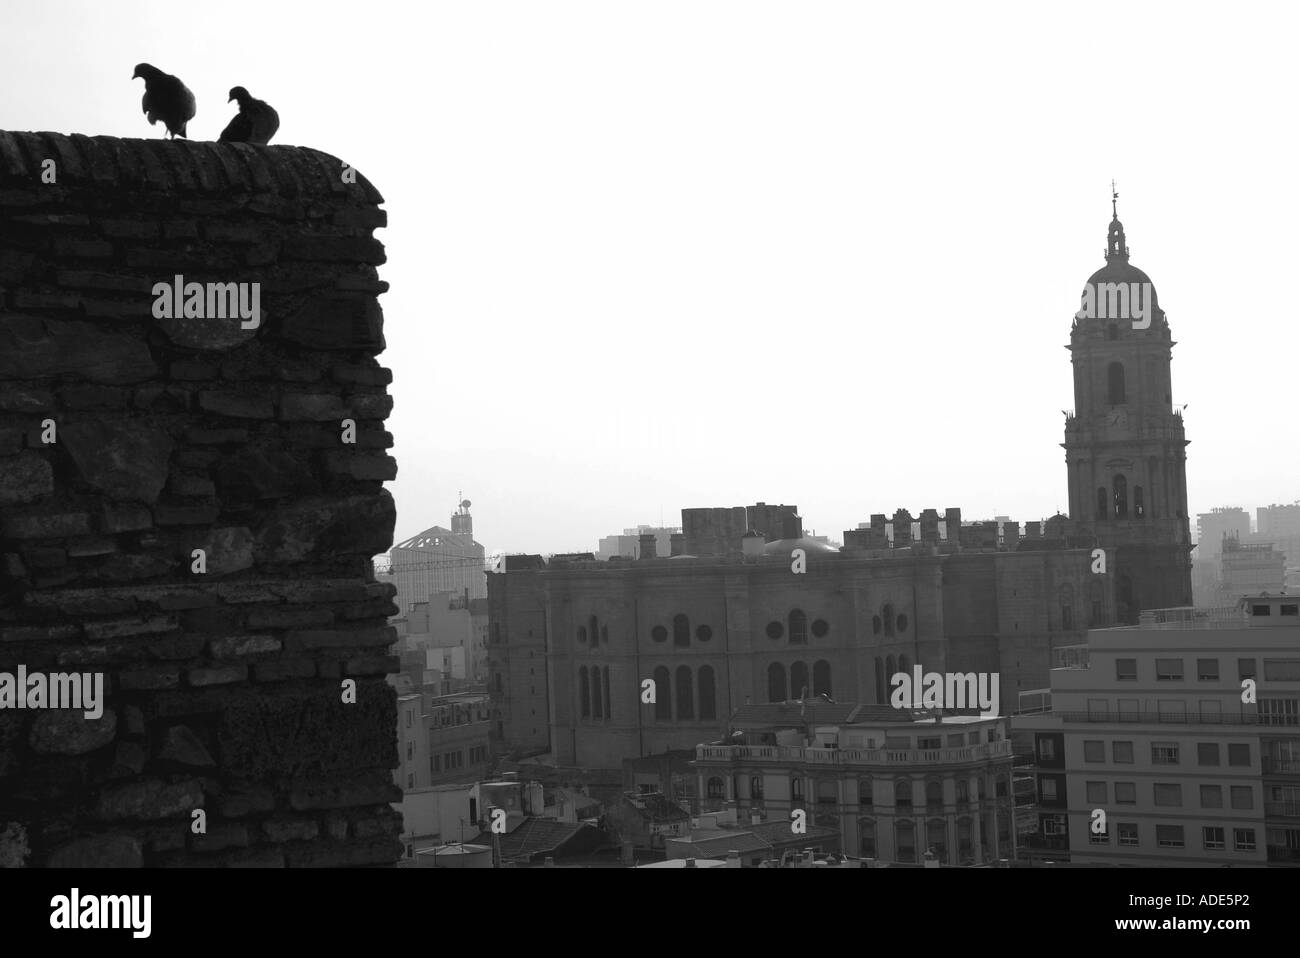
(756, 788)
(867, 837)
(592, 630)
(798, 628)
(681, 630)
(1121, 497)
(902, 665)
(716, 791)
(663, 693)
(963, 791)
(881, 698)
(1115, 384)
(609, 702)
(905, 842)
(708, 703)
(595, 693)
(933, 794)
(888, 615)
(903, 793)
(821, 677)
(936, 838)
(864, 792)
(1102, 511)
(584, 692)
(798, 680)
(796, 792)
(685, 697)
(1139, 504)
(891, 669)
(776, 682)
(1097, 599)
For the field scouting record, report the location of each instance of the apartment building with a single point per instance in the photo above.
(1176, 742)
(894, 783)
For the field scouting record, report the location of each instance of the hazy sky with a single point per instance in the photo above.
(653, 255)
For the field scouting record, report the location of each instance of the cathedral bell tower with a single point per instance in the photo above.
(1125, 449)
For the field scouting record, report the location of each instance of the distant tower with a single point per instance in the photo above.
(462, 522)
(1124, 446)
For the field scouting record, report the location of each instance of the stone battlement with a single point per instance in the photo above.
(188, 505)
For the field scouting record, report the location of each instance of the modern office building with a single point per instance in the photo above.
(1177, 741)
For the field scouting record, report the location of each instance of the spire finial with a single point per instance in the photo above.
(1113, 197)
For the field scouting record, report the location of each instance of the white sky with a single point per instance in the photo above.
(653, 255)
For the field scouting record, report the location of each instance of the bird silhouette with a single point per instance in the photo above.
(166, 98)
(256, 121)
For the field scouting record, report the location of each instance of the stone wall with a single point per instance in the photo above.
(181, 509)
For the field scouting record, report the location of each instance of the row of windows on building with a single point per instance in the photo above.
(683, 694)
(827, 791)
(1163, 794)
(1269, 710)
(795, 629)
(1213, 837)
(1166, 753)
(1207, 670)
(779, 691)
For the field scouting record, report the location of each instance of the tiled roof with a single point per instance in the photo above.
(778, 833)
(657, 808)
(536, 837)
(724, 842)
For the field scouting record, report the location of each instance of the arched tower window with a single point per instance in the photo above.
(776, 682)
(821, 677)
(708, 700)
(584, 693)
(681, 630)
(1121, 497)
(595, 693)
(595, 633)
(796, 792)
(1115, 384)
(1101, 502)
(663, 693)
(798, 628)
(888, 615)
(609, 702)
(1139, 504)
(798, 680)
(685, 697)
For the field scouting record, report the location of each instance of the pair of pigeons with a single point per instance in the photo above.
(166, 98)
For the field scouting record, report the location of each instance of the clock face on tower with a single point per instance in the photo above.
(1118, 418)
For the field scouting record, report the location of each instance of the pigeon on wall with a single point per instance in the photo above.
(256, 121)
(166, 98)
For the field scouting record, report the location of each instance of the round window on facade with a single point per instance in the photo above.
(704, 633)
(659, 634)
(820, 628)
(775, 630)
(902, 623)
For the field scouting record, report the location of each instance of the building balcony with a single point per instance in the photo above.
(1289, 810)
(1147, 717)
(1283, 855)
(1280, 766)
(852, 757)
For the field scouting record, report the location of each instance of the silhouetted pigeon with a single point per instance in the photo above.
(256, 121)
(165, 98)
